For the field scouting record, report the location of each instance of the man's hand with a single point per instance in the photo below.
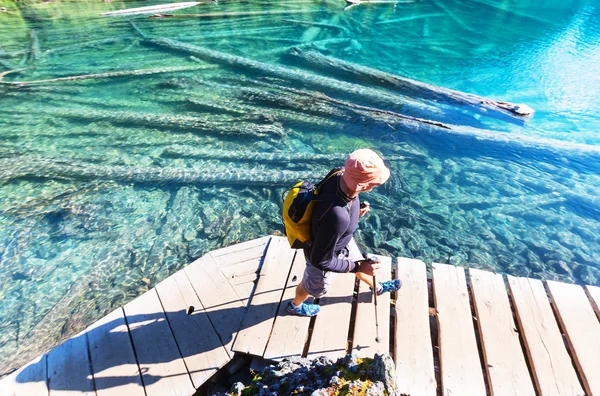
(368, 267)
(364, 208)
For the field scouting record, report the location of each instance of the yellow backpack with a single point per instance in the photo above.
(298, 206)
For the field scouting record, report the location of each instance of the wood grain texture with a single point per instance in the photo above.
(242, 269)
(69, 368)
(363, 340)
(412, 346)
(163, 369)
(240, 252)
(460, 366)
(582, 329)
(244, 291)
(551, 364)
(258, 322)
(198, 341)
(113, 361)
(332, 324)
(504, 360)
(289, 332)
(220, 301)
(594, 295)
(29, 380)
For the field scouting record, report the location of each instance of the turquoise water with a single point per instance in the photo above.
(108, 185)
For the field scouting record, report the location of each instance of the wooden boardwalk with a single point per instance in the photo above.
(459, 333)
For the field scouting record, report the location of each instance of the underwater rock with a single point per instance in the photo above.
(459, 258)
(534, 262)
(588, 274)
(559, 266)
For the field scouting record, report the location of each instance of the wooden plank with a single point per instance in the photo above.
(244, 291)
(163, 370)
(582, 329)
(551, 364)
(240, 252)
(257, 324)
(113, 361)
(234, 258)
(220, 301)
(198, 341)
(69, 368)
(460, 367)
(505, 363)
(239, 280)
(28, 380)
(289, 332)
(412, 346)
(248, 267)
(594, 295)
(363, 340)
(336, 307)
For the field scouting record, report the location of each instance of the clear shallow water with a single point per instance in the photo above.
(100, 198)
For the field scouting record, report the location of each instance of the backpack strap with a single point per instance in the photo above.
(327, 197)
(331, 173)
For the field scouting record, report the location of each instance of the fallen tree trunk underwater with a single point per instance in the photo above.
(353, 3)
(319, 24)
(408, 86)
(408, 19)
(232, 14)
(285, 158)
(34, 53)
(124, 73)
(295, 75)
(505, 141)
(19, 167)
(153, 9)
(170, 122)
(306, 100)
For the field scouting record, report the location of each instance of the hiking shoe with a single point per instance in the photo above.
(303, 309)
(389, 286)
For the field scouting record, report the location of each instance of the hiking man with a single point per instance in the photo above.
(332, 227)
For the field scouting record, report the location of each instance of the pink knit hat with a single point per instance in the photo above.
(364, 169)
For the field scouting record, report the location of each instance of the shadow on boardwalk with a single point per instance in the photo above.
(150, 333)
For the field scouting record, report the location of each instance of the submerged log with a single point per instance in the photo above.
(284, 111)
(232, 14)
(353, 3)
(408, 19)
(294, 75)
(322, 104)
(171, 122)
(34, 53)
(6, 73)
(319, 24)
(124, 73)
(408, 86)
(316, 96)
(152, 9)
(285, 158)
(45, 168)
(320, 44)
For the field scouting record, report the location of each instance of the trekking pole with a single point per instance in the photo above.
(374, 259)
(375, 301)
